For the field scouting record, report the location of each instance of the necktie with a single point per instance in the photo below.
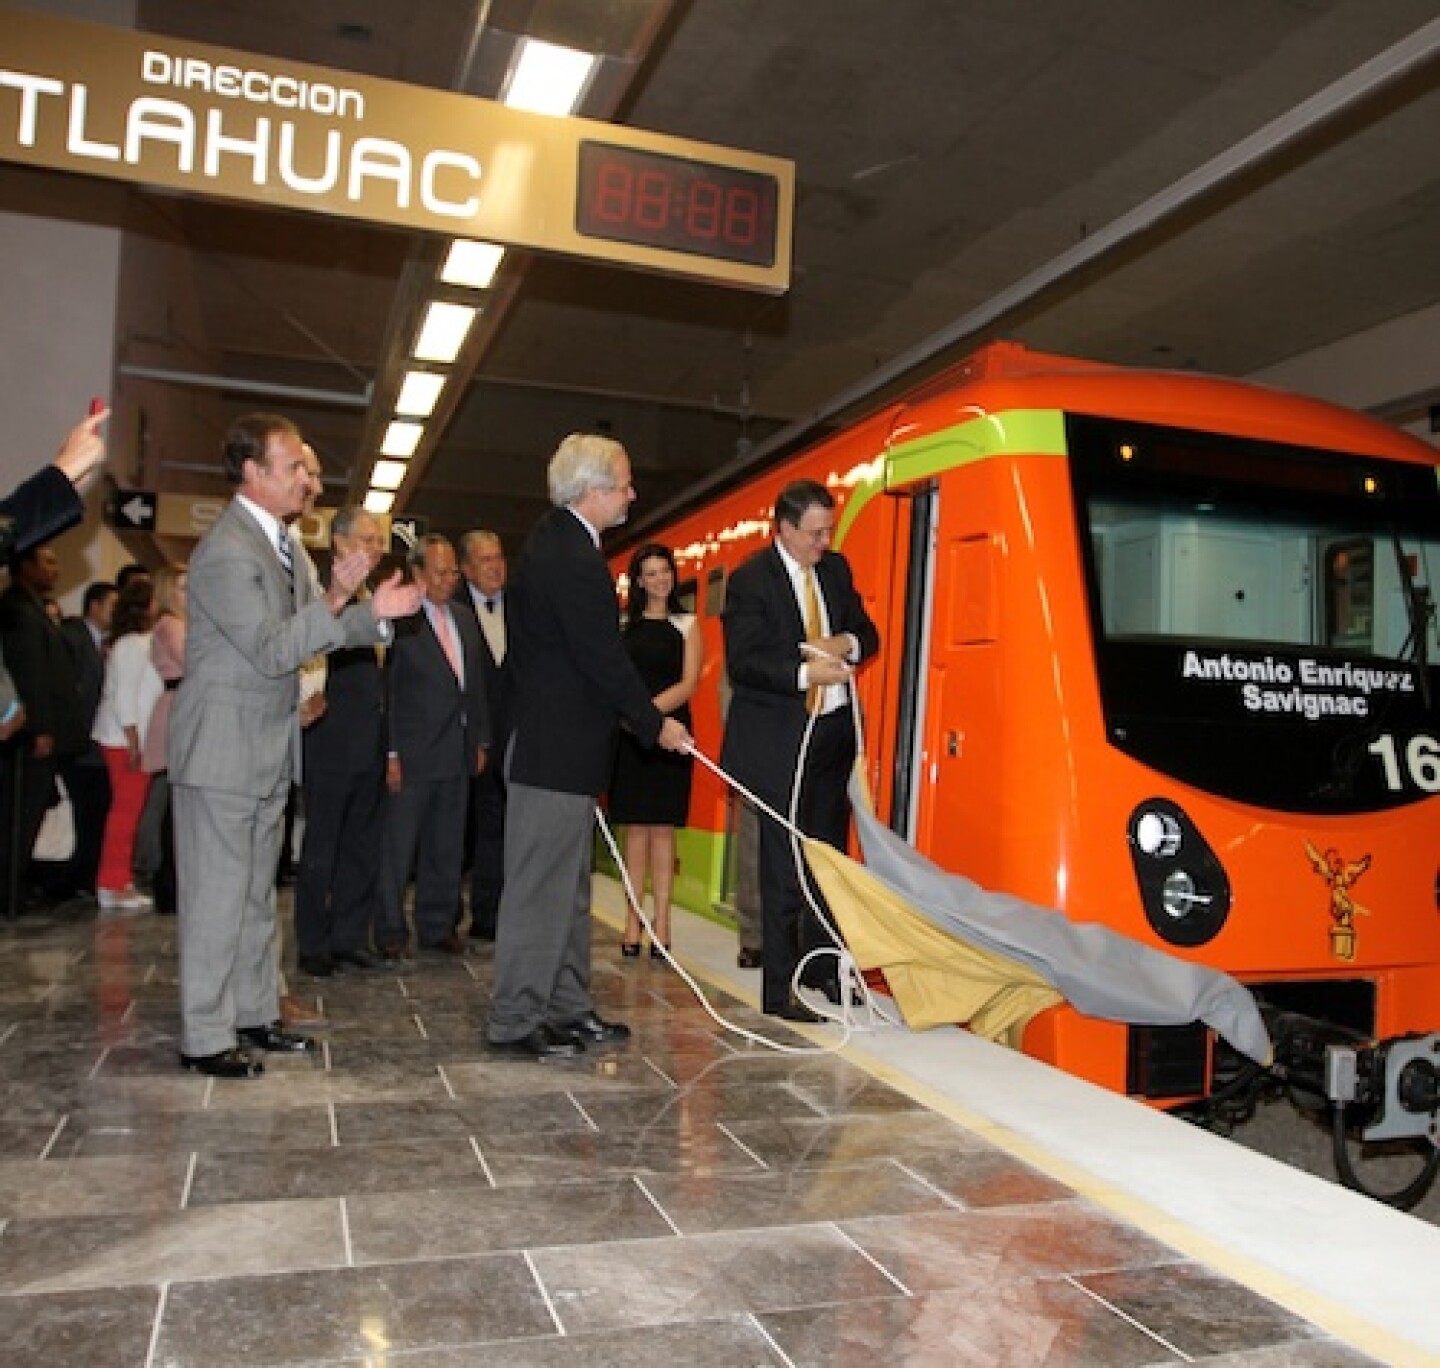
(489, 605)
(287, 555)
(814, 631)
(445, 630)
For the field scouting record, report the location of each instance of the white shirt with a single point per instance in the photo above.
(492, 620)
(833, 696)
(132, 684)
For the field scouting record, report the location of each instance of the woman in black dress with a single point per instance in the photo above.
(650, 789)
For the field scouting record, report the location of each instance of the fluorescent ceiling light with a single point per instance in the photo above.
(378, 502)
(401, 439)
(388, 474)
(471, 264)
(419, 393)
(443, 332)
(548, 79)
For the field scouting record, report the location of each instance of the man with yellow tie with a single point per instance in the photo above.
(795, 629)
(439, 733)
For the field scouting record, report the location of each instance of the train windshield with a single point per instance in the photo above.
(1262, 615)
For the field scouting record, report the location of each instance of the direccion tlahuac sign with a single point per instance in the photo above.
(152, 110)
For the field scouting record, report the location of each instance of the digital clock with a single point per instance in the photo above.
(626, 194)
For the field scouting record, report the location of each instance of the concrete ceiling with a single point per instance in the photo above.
(945, 150)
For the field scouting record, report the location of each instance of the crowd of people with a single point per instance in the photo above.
(450, 712)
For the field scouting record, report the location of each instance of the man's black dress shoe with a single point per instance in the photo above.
(357, 959)
(590, 1030)
(544, 1042)
(747, 959)
(794, 1010)
(831, 989)
(317, 966)
(227, 1064)
(275, 1039)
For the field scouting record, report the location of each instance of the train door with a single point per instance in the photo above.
(913, 613)
(953, 655)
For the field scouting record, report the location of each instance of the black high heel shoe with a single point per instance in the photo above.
(656, 952)
(630, 949)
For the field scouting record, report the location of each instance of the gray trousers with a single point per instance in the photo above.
(226, 846)
(542, 944)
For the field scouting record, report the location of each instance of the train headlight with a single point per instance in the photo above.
(1183, 887)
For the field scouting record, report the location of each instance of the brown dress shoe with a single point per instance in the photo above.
(293, 1012)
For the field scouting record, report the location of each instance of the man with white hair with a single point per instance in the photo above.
(573, 682)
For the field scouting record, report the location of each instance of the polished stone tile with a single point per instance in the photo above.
(646, 1282)
(984, 1178)
(261, 1131)
(735, 1343)
(296, 1084)
(416, 1225)
(790, 1196)
(505, 1076)
(351, 1313)
(91, 1187)
(847, 1139)
(24, 1139)
(1197, 1311)
(1297, 1354)
(981, 1250)
(1046, 1324)
(335, 1171)
(104, 1328)
(562, 1157)
(204, 1242)
(722, 1098)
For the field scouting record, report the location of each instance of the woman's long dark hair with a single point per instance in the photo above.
(132, 608)
(635, 597)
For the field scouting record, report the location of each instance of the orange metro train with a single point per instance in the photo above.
(1155, 653)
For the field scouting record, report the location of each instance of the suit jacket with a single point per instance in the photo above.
(496, 677)
(43, 669)
(763, 631)
(39, 508)
(571, 678)
(436, 726)
(235, 722)
(89, 670)
(349, 736)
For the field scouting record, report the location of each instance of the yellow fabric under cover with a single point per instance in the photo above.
(936, 979)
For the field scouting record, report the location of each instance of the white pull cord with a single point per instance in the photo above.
(858, 1009)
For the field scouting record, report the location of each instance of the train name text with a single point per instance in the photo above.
(1302, 687)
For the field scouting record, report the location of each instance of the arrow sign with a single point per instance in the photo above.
(135, 509)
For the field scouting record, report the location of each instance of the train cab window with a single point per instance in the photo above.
(686, 591)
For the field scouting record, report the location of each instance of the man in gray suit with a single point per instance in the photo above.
(254, 615)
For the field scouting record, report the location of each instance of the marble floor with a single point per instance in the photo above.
(404, 1198)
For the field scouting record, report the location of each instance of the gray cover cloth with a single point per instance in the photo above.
(1100, 972)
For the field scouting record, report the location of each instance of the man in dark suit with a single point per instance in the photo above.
(45, 678)
(49, 501)
(481, 592)
(439, 733)
(794, 630)
(254, 617)
(85, 776)
(572, 682)
(337, 891)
